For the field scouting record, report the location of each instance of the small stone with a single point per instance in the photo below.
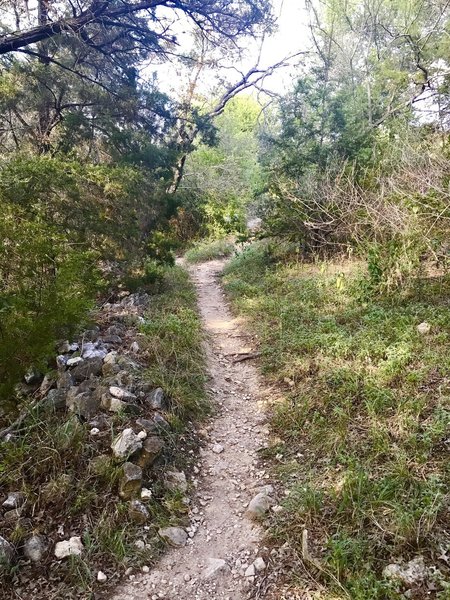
(135, 347)
(215, 567)
(55, 400)
(64, 347)
(94, 431)
(156, 399)
(424, 328)
(142, 435)
(121, 394)
(35, 548)
(147, 425)
(73, 362)
(146, 494)
(160, 421)
(71, 547)
(258, 506)
(175, 536)
(64, 381)
(101, 577)
(187, 577)
(6, 553)
(218, 448)
(86, 369)
(131, 481)
(250, 571)
(85, 404)
(151, 448)
(33, 376)
(145, 569)
(259, 564)
(175, 480)
(413, 573)
(138, 512)
(14, 500)
(125, 444)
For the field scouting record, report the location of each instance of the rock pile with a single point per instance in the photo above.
(97, 382)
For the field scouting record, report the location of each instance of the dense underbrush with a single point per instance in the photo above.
(360, 439)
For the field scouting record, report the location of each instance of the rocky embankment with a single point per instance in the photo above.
(98, 390)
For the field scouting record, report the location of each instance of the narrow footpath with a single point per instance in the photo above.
(224, 557)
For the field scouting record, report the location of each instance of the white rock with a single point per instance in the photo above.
(413, 573)
(146, 494)
(73, 362)
(215, 567)
(218, 448)
(71, 547)
(142, 435)
(120, 393)
(145, 569)
(94, 431)
(259, 564)
(101, 577)
(135, 347)
(424, 328)
(250, 571)
(126, 444)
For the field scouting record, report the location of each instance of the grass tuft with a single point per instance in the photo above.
(209, 250)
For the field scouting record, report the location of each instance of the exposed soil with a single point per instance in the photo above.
(227, 480)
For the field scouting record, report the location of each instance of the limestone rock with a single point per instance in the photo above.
(424, 328)
(83, 371)
(85, 404)
(258, 506)
(6, 553)
(259, 564)
(101, 577)
(147, 425)
(121, 394)
(64, 381)
(218, 448)
(73, 362)
(156, 399)
(151, 448)
(250, 571)
(55, 399)
(413, 573)
(175, 480)
(14, 500)
(138, 512)
(131, 481)
(160, 421)
(46, 385)
(175, 536)
(71, 547)
(126, 443)
(146, 494)
(35, 548)
(215, 567)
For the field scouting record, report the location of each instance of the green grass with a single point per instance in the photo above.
(209, 250)
(71, 478)
(364, 420)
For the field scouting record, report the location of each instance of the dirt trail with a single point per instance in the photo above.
(227, 480)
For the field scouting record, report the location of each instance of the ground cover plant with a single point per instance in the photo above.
(361, 437)
(209, 250)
